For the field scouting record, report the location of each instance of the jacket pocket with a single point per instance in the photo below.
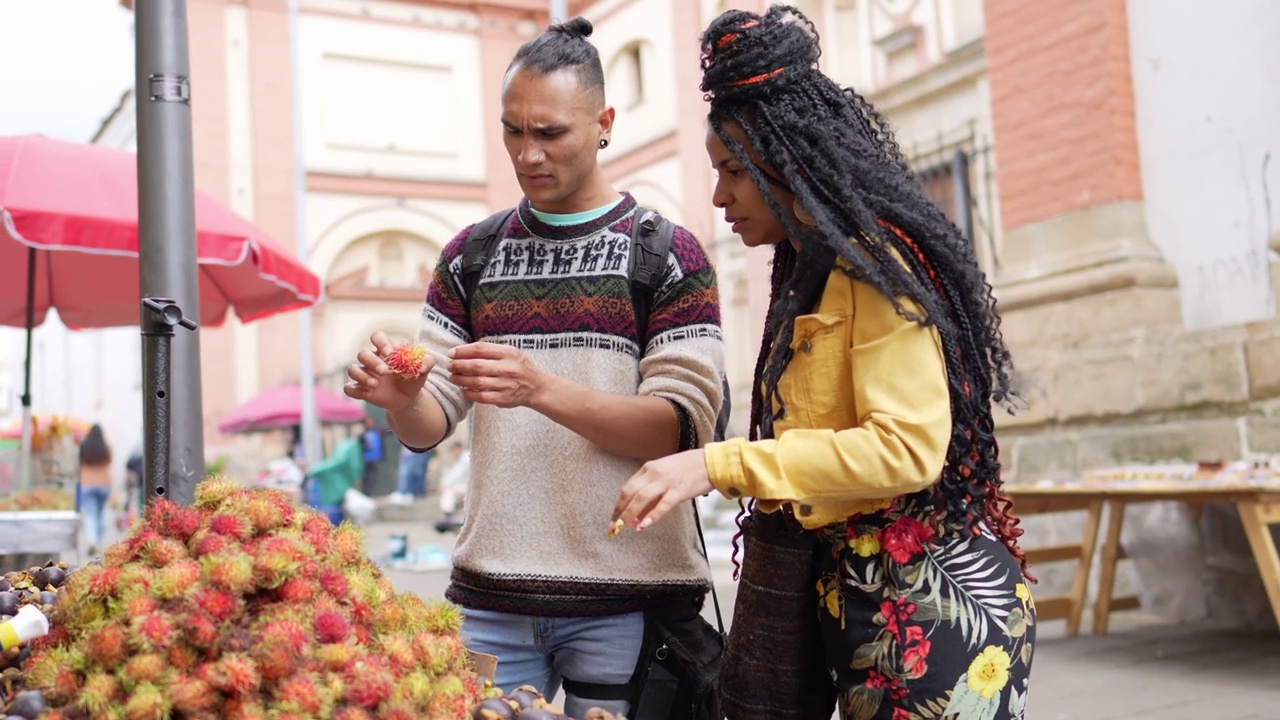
(814, 384)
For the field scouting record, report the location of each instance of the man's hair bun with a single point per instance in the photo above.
(577, 27)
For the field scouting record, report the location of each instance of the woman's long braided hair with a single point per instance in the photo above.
(838, 157)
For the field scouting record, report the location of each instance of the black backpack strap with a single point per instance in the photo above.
(650, 244)
(478, 251)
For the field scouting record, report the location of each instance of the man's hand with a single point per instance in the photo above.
(375, 383)
(493, 374)
(660, 485)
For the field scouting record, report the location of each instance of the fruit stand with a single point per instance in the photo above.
(39, 519)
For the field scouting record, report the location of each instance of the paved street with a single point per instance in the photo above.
(1141, 671)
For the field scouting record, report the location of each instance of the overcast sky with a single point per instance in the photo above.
(63, 65)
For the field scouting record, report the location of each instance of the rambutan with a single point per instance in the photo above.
(232, 674)
(301, 693)
(275, 659)
(172, 520)
(144, 668)
(234, 640)
(335, 657)
(175, 580)
(135, 577)
(350, 712)
(207, 542)
(399, 650)
(389, 617)
(183, 657)
(407, 359)
(200, 630)
(443, 618)
(154, 631)
(295, 590)
(107, 646)
(232, 526)
(212, 492)
(414, 688)
(117, 555)
(192, 695)
(369, 682)
(264, 513)
(164, 551)
(290, 632)
(139, 605)
(100, 692)
(147, 702)
(273, 568)
(347, 542)
(220, 605)
(230, 570)
(54, 674)
(98, 582)
(243, 709)
(400, 711)
(313, 523)
(331, 627)
(334, 582)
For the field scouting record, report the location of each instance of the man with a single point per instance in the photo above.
(411, 476)
(569, 399)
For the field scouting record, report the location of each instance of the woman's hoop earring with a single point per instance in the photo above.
(801, 214)
(604, 143)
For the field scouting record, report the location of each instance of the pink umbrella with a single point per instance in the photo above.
(282, 407)
(71, 212)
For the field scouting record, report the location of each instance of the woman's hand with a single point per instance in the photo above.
(660, 485)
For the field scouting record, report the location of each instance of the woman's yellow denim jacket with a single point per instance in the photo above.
(868, 414)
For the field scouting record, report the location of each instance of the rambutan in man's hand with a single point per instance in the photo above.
(373, 379)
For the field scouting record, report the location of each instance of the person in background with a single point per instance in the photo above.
(453, 488)
(95, 482)
(411, 480)
(371, 442)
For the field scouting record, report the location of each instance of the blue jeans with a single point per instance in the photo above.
(93, 501)
(412, 476)
(542, 651)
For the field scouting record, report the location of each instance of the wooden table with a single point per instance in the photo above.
(1257, 502)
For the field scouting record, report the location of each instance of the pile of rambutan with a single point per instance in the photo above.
(247, 606)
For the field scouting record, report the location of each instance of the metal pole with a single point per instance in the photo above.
(312, 451)
(559, 10)
(159, 316)
(166, 226)
(24, 457)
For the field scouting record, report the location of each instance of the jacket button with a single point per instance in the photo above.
(806, 510)
(806, 346)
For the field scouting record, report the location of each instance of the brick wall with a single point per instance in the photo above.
(1062, 105)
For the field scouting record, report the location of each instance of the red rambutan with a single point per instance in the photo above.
(331, 627)
(172, 520)
(275, 659)
(301, 693)
(100, 582)
(154, 631)
(232, 674)
(295, 590)
(289, 631)
(144, 668)
(369, 682)
(352, 713)
(407, 359)
(175, 580)
(183, 657)
(139, 605)
(207, 542)
(163, 551)
(232, 526)
(334, 583)
(347, 542)
(200, 630)
(218, 604)
(107, 646)
(192, 695)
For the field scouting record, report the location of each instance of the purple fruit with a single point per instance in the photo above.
(493, 709)
(28, 704)
(525, 696)
(9, 603)
(540, 714)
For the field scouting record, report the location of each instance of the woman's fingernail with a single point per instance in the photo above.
(644, 524)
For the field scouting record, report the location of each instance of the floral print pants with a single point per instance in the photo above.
(916, 627)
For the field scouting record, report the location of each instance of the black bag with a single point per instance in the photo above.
(678, 670)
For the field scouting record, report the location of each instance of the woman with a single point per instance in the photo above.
(95, 485)
(872, 432)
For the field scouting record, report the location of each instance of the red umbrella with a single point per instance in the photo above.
(282, 407)
(76, 205)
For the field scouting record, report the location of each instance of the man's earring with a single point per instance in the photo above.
(801, 214)
(604, 143)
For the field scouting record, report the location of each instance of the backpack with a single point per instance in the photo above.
(679, 664)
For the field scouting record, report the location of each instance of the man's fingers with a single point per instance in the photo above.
(480, 350)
